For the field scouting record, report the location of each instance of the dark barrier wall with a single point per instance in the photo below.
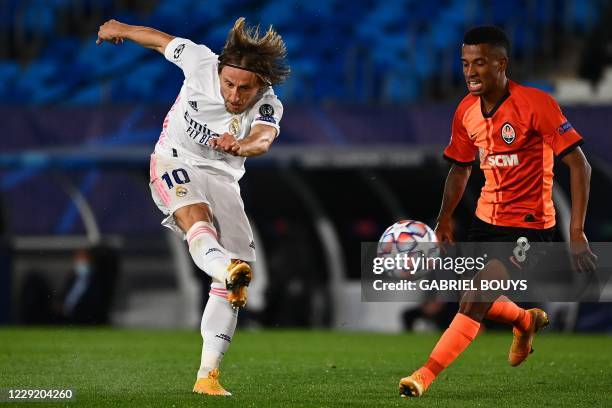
(40, 128)
(37, 199)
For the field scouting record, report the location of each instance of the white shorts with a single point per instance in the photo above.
(175, 184)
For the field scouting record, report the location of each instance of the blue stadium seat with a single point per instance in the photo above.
(61, 48)
(8, 72)
(33, 80)
(402, 85)
(89, 95)
(107, 59)
(326, 39)
(140, 83)
(279, 13)
(38, 18)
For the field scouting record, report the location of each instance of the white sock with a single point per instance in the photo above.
(217, 328)
(206, 251)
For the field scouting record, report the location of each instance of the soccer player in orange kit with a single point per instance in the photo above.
(516, 131)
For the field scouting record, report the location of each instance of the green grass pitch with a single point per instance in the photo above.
(286, 368)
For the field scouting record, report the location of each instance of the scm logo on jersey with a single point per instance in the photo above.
(503, 160)
(508, 133)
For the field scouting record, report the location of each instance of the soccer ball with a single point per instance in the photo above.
(411, 240)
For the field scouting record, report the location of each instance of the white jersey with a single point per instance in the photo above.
(199, 115)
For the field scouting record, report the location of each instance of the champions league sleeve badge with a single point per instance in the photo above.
(266, 113)
(266, 110)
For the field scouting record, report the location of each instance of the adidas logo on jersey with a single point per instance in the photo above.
(211, 250)
(503, 160)
(178, 51)
(225, 337)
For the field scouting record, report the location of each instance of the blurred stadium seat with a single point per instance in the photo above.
(411, 39)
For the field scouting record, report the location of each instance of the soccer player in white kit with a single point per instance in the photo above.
(225, 112)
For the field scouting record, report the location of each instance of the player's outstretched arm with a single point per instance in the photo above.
(580, 180)
(453, 191)
(115, 32)
(256, 143)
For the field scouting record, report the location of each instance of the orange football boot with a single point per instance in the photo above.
(239, 276)
(413, 385)
(521, 344)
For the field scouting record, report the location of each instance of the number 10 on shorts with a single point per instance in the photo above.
(180, 176)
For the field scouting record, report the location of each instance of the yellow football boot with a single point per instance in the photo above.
(210, 385)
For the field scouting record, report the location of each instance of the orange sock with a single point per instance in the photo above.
(506, 311)
(454, 340)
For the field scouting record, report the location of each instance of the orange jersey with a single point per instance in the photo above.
(516, 144)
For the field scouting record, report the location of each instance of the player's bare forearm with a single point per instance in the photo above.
(255, 144)
(115, 32)
(584, 260)
(453, 190)
(258, 142)
(580, 180)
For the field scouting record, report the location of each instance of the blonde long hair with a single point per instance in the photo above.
(263, 55)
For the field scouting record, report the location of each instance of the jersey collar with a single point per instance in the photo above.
(497, 105)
